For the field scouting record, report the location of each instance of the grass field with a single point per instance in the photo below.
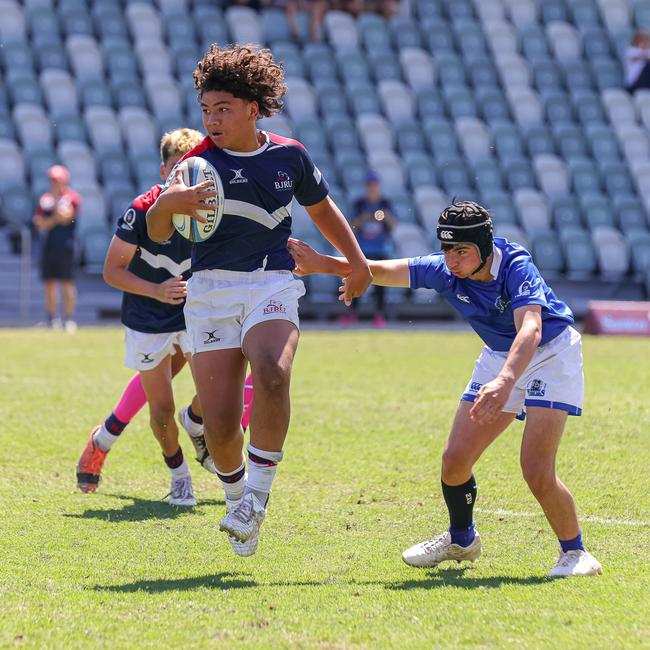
(359, 483)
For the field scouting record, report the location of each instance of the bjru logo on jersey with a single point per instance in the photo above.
(238, 177)
(283, 181)
(274, 307)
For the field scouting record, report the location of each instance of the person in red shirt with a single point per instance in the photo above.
(55, 217)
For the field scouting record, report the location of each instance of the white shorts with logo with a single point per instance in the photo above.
(554, 378)
(222, 306)
(145, 351)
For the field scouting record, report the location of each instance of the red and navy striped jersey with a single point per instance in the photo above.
(259, 187)
(154, 262)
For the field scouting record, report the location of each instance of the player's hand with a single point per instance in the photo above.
(187, 199)
(306, 258)
(355, 284)
(172, 291)
(490, 400)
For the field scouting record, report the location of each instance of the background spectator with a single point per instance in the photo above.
(637, 55)
(55, 217)
(372, 223)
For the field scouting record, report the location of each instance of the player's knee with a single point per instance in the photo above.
(539, 476)
(221, 427)
(272, 376)
(161, 413)
(454, 464)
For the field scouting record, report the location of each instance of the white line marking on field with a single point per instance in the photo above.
(597, 519)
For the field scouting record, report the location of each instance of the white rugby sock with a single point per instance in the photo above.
(234, 482)
(193, 428)
(104, 439)
(262, 466)
(181, 471)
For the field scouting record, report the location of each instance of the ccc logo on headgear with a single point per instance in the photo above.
(446, 234)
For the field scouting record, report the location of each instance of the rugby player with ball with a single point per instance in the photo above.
(242, 298)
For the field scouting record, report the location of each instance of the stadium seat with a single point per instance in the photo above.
(630, 214)
(95, 244)
(579, 255)
(558, 109)
(533, 210)
(597, 210)
(639, 244)
(519, 174)
(501, 37)
(441, 139)
(577, 75)
(570, 141)
(534, 44)
(633, 141)
(587, 106)
(12, 25)
(342, 134)
(618, 106)
(387, 164)
(404, 32)
(33, 127)
(421, 173)
(474, 137)
(418, 68)
(60, 92)
(374, 33)
(85, 57)
(547, 253)
(430, 202)
(320, 62)
(79, 159)
(278, 124)
(585, 13)
(525, 106)
(384, 66)
(486, 175)
(564, 41)
(300, 99)
(341, 30)
(521, 12)
(332, 100)
(552, 176)
(612, 252)
(70, 127)
(501, 208)
(375, 133)
(616, 179)
(430, 104)
(137, 129)
(584, 176)
(17, 207)
(410, 240)
(603, 144)
(144, 22)
(93, 213)
(454, 178)
(512, 233)
(566, 212)
(310, 133)
(103, 129)
(363, 99)
(492, 106)
(52, 56)
(396, 100)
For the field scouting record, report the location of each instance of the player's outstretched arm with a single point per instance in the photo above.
(331, 222)
(387, 273)
(117, 274)
(493, 396)
(177, 198)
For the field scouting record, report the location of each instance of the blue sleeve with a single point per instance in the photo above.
(427, 272)
(311, 187)
(524, 283)
(130, 225)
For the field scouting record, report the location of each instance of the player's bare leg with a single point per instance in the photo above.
(69, 301)
(467, 441)
(270, 348)
(50, 295)
(157, 384)
(542, 435)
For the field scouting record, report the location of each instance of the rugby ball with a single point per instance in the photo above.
(196, 170)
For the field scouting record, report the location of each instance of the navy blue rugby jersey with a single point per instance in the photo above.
(259, 187)
(155, 263)
(488, 306)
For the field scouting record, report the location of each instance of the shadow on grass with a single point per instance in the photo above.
(457, 578)
(140, 510)
(221, 581)
(225, 581)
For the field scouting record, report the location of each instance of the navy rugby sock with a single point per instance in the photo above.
(460, 501)
(114, 425)
(193, 416)
(574, 544)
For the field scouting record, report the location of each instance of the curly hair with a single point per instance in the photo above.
(245, 71)
(178, 142)
(464, 213)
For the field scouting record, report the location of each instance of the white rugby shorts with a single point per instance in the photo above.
(554, 378)
(144, 351)
(222, 306)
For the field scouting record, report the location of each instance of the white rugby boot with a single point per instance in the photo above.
(245, 519)
(431, 553)
(201, 452)
(576, 563)
(180, 492)
(247, 548)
